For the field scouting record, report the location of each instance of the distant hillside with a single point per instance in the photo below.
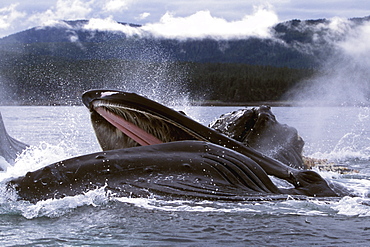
(47, 63)
(298, 44)
(72, 41)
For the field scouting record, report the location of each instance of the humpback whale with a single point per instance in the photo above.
(132, 120)
(184, 169)
(149, 148)
(9, 147)
(258, 128)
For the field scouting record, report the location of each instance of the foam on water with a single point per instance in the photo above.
(52, 207)
(59, 207)
(349, 206)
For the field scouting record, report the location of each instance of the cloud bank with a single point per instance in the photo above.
(203, 25)
(197, 25)
(12, 19)
(345, 76)
(8, 16)
(19, 15)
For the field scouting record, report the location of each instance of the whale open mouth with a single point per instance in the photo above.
(136, 133)
(132, 127)
(123, 120)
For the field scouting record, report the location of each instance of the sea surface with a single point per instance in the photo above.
(339, 134)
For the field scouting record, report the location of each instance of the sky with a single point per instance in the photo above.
(19, 15)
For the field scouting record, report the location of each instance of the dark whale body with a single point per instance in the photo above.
(170, 126)
(185, 169)
(258, 128)
(152, 149)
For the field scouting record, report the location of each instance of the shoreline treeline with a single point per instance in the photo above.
(51, 81)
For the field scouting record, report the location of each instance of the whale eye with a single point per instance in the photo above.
(186, 165)
(43, 181)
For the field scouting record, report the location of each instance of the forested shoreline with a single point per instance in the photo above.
(51, 81)
(54, 65)
(245, 83)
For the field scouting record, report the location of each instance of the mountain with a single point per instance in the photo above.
(69, 40)
(69, 58)
(296, 44)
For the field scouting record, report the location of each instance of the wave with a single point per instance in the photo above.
(99, 198)
(36, 157)
(50, 208)
(352, 147)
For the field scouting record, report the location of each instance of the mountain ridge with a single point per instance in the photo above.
(54, 65)
(292, 45)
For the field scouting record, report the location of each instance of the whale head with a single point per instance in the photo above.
(123, 120)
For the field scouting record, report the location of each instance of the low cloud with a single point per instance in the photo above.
(345, 76)
(63, 10)
(197, 26)
(143, 16)
(203, 25)
(116, 5)
(11, 19)
(9, 16)
(109, 24)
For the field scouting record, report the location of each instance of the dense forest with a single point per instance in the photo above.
(244, 83)
(63, 81)
(54, 65)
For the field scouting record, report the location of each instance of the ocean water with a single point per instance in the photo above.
(339, 134)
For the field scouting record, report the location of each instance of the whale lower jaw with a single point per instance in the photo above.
(117, 126)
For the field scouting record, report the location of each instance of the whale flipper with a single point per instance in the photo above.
(9, 147)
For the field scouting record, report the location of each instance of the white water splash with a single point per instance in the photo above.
(353, 206)
(58, 207)
(349, 206)
(182, 205)
(353, 145)
(36, 157)
(52, 207)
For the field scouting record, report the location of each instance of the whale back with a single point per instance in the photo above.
(186, 169)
